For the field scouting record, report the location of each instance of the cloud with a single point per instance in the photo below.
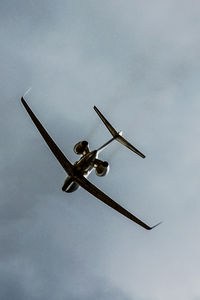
(139, 63)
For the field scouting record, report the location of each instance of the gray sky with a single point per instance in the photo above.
(139, 62)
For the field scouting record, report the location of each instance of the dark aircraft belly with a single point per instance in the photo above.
(69, 185)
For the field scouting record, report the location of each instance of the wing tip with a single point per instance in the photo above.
(150, 228)
(95, 108)
(23, 101)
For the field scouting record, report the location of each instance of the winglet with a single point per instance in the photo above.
(27, 92)
(154, 226)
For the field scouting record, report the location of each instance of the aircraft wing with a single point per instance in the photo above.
(68, 167)
(92, 189)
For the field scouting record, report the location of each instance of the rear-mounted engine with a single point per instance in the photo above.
(81, 148)
(102, 168)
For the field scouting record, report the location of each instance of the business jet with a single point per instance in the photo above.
(89, 160)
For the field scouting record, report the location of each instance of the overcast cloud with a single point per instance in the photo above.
(139, 63)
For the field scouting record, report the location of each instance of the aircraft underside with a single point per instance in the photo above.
(78, 172)
(70, 185)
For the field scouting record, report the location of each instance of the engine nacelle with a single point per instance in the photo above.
(81, 148)
(102, 168)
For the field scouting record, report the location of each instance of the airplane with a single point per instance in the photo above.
(79, 171)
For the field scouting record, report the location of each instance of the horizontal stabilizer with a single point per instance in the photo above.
(128, 145)
(117, 135)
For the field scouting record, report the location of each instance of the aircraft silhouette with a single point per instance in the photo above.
(78, 172)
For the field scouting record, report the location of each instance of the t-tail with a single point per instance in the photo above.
(118, 135)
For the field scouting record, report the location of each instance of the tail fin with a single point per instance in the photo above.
(117, 135)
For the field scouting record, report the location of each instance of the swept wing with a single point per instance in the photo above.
(81, 180)
(117, 135)
(92, 189)
(68, 167)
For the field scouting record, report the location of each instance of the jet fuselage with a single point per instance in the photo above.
(83, 166)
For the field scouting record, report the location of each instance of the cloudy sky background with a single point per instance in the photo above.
(139, 62)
